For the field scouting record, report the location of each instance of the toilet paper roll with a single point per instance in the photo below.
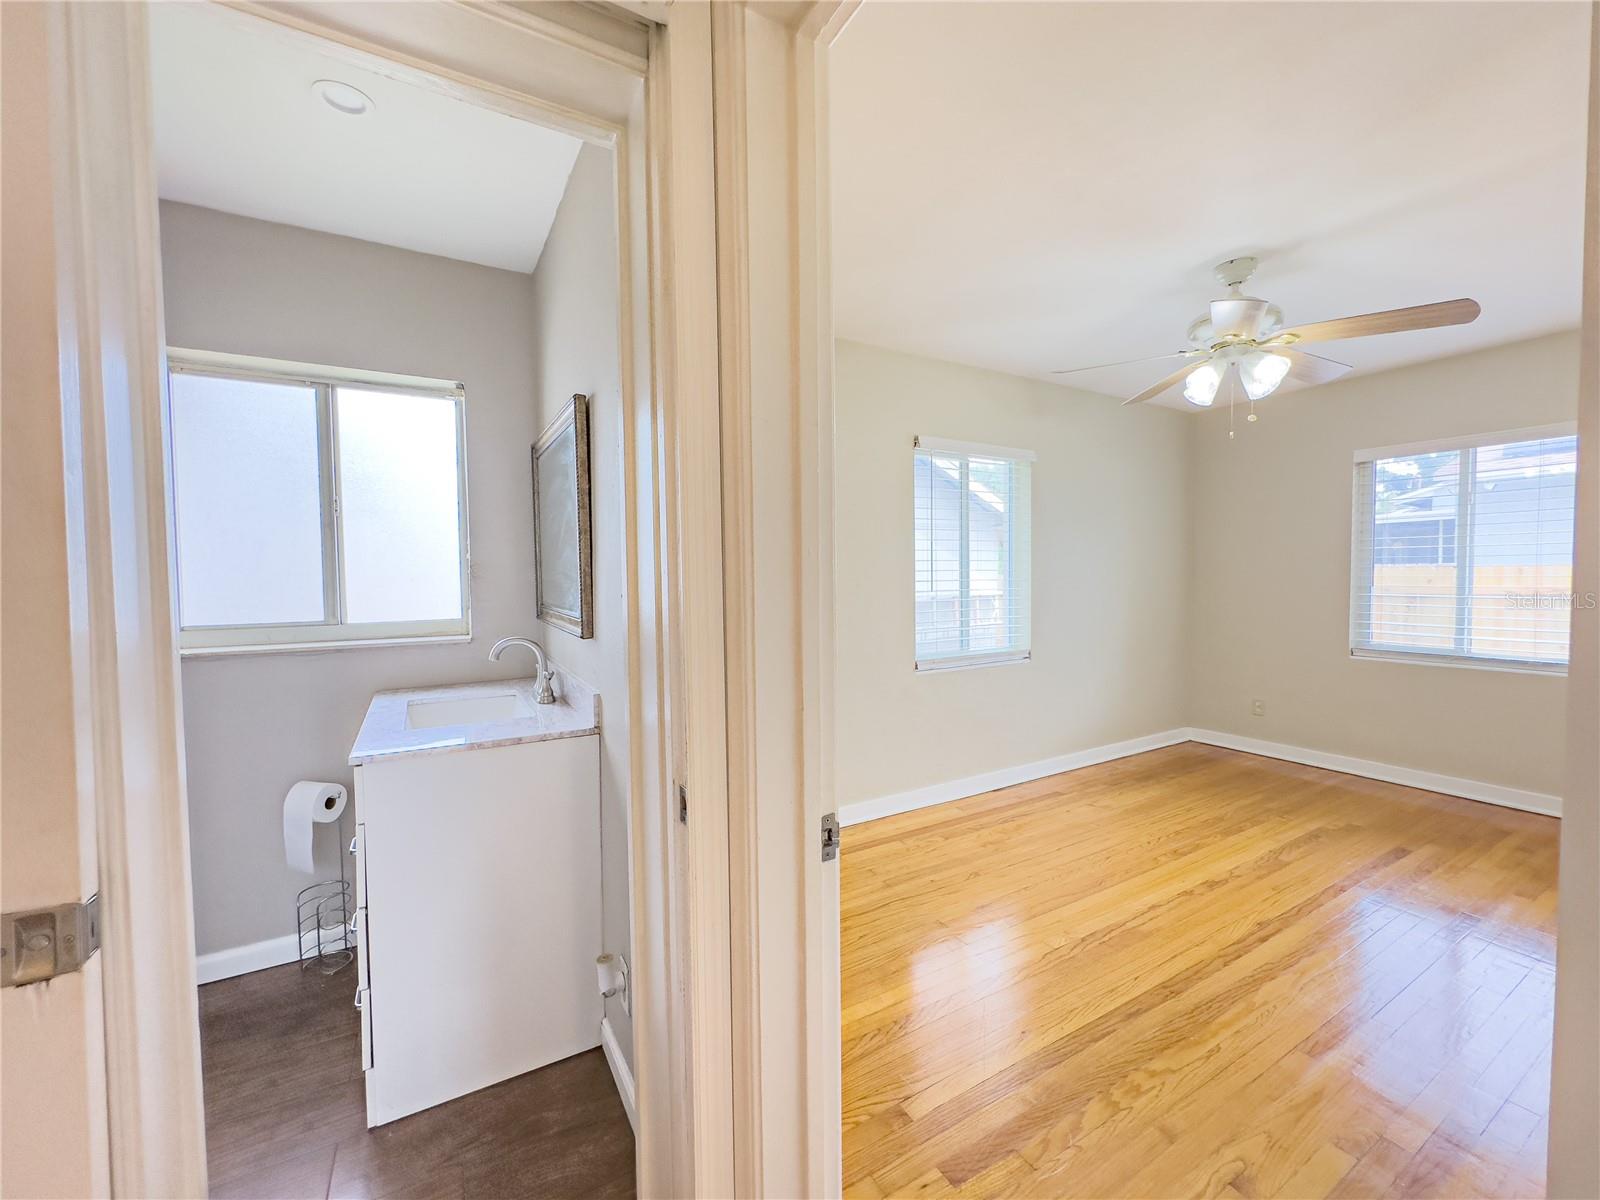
(605, 971)
(308, 805)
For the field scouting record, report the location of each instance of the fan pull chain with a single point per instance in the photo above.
(1232, 394)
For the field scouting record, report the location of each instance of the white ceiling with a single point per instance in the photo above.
(239, 129)
(1036, 186)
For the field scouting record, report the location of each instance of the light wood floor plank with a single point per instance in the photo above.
(1198, 972)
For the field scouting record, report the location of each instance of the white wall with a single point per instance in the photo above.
(1270, 574)
(575, 350)
(1109, 571)
(1178, 575)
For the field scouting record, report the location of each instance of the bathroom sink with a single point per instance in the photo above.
(473, 710)
(467, 716)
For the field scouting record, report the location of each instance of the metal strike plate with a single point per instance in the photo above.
(830, 837)
(45, 942)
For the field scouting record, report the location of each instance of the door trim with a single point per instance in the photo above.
(814, 40)
(770, 78)
(1573, 1168)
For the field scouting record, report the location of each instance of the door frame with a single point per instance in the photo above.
(1573, 1158)
(814, 40)
(770, 95)
(649, 67)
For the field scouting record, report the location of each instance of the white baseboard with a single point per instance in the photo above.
(620, 1072)
(974, 785)
(241, 960)
(1428, 781)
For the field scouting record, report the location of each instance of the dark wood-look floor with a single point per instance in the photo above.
(286, 1110)
(1198, 973)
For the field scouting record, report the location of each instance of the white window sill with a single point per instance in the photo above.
(1503, 665)
(970, 662)
(319, 647)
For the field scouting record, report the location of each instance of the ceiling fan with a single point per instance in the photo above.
(1242, 340)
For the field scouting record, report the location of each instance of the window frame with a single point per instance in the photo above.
(976, 658)
(333, 631)
(1363, 570)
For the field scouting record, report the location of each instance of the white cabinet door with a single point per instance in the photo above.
(482, 917)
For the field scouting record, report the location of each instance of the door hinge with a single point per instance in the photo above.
(683, 805)
(830, 837)
(45, 942)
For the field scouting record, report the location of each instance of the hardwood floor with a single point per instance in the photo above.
(1198, 973)
(286, 1110)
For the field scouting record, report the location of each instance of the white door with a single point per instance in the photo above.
(92, 759)
(54, 1137)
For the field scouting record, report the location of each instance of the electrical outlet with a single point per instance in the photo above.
(1257, 709)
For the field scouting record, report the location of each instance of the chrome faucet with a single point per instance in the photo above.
(545, 694)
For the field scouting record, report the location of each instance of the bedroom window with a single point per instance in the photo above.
(1462, 550)
(314, 506)
(971, 529)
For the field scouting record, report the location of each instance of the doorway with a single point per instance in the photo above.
(934, 1094)
(95, 156)
(380, 303)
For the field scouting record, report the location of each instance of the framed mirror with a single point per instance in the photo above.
(562, 554)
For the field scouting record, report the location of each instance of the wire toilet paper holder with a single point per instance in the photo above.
(322, 923)
(322, 919)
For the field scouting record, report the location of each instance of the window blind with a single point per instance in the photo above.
(971, 527)
(1464, 551)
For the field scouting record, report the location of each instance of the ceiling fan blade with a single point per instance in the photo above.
(1394, 320)
(1128, 362)
(1155, 389)
(1239, 318)
(1310, 369)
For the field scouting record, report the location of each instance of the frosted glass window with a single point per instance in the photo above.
(398, 487)
(247, 499)
(314, 504)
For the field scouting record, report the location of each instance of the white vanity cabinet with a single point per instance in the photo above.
(478, 908)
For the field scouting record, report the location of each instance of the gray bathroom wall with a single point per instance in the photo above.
(522, 345)
(253, 724)
(576, 351)
(256, 723)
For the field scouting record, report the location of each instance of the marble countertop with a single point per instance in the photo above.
(386, 733)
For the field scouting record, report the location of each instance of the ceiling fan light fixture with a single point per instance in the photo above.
(1261, 373)
(1245, 335)
(1200, 386)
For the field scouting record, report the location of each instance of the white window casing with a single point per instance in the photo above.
(971, 522)
(1461, 551)
(423, 502)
